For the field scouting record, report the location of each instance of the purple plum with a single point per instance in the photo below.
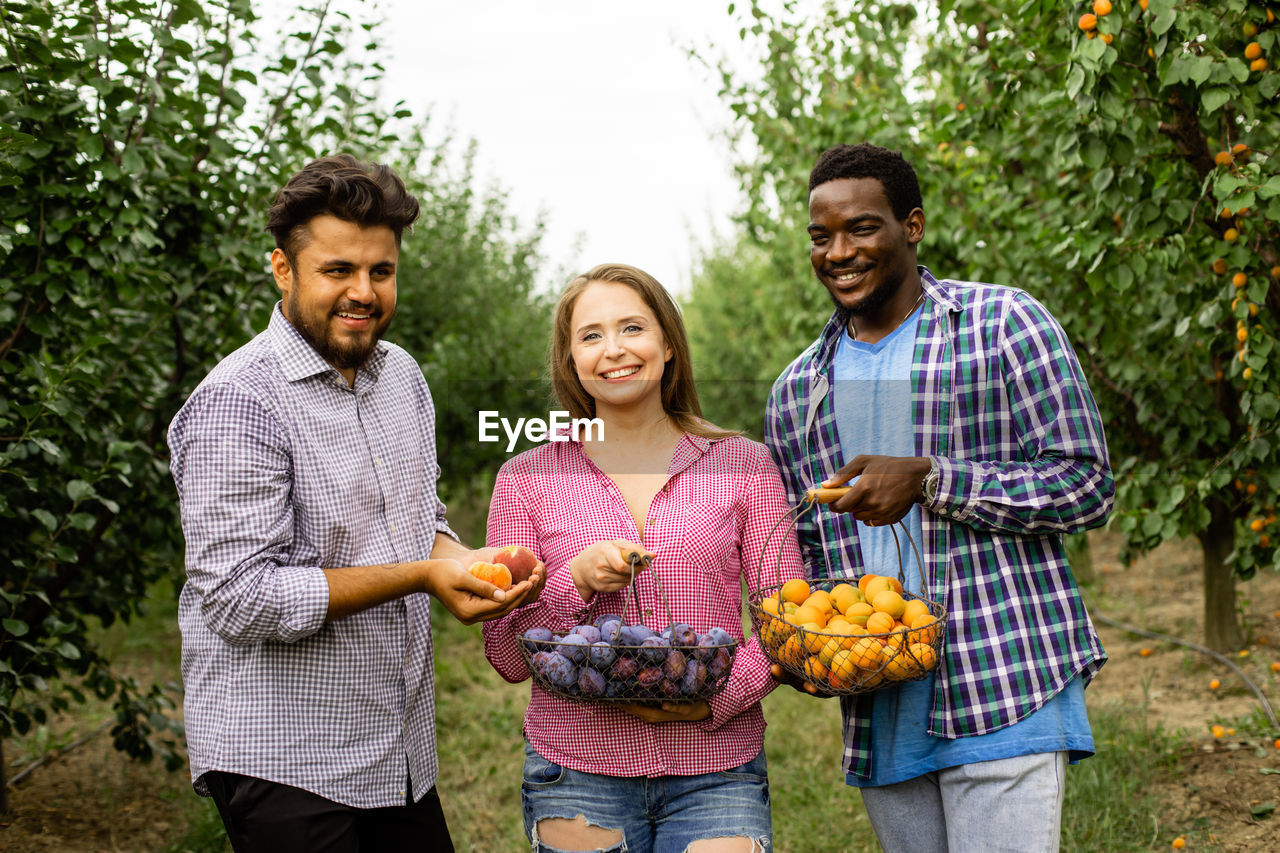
(683, 637)
(654, 649)
(574, 647)
(720, 663)
(590, 682)
(601, 655)
(674, 666)
(649, 677)
(633, 635)
(624, 669)
(695, 678)
(604, 618)
(560, 671)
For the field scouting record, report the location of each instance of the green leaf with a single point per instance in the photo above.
(78, 490)
(1075, 81)
(1163, 21)
(15, 627)
(1199, 68)
(1213, 99)
(1102, 179)
(1123, 277)
(1271, 188)
(46, 518)
(46, 445)
(1094, 153)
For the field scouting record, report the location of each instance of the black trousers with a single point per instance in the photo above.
(267, 817)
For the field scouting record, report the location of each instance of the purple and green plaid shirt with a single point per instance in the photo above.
(1002, 408)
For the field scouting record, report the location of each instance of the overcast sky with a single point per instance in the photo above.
(590, 110)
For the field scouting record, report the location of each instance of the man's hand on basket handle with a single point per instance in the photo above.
(886, 489)
(798, 683)
(605, 567)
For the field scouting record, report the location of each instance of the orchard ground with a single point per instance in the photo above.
(1215, 791)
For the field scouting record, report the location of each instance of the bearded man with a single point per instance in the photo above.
(306, 467)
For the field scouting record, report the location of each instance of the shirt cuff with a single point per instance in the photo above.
(562, 599)
(307, 590)
(955, 481)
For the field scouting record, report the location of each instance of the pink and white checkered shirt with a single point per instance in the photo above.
(706, 527)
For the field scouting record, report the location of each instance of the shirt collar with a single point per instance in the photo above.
(299, 360)
(829, 339)
(689, 450)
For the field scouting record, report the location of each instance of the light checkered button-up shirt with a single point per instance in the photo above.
(282, 471)
(1001, 406)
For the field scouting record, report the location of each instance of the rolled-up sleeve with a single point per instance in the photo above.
(232, 468)
(1056, 475)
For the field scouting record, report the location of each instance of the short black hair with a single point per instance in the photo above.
(367, 194)
(865, 160)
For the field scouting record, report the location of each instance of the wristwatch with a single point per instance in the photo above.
(929, 485)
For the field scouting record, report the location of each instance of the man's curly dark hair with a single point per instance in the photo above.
(865, 160)
(367, 194)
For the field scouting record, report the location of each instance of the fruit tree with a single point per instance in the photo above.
(1121, 169)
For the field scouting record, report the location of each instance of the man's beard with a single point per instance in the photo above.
(874, 301)
(342, 354)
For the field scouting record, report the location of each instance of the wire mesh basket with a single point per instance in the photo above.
(851, 642)
(607, 660)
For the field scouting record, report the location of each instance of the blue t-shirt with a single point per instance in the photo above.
(872, 395)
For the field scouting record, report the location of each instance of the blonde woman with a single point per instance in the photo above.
(701, 501)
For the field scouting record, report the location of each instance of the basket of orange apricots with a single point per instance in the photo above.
(848, 635)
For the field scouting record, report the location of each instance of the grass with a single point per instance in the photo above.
(1108, 801)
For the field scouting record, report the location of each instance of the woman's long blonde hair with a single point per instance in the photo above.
(679, 396)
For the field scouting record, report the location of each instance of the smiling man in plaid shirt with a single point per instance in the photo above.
(959, 410)
(306, 467)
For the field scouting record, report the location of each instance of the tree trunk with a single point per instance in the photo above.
(1221, 626)
(4, 783)
(1080, 556)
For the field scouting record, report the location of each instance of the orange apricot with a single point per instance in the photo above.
(494, 573)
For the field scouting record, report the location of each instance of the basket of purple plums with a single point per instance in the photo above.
(609, 660)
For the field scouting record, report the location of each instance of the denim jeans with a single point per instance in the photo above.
(664, 814)
(1001, 806)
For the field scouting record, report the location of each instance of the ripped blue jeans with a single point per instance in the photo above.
(664, 814)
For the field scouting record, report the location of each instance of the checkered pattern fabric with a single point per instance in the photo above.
(1002, 408)
(283, 471)
(707, 528)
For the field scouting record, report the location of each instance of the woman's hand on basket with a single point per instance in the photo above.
(886, 489)
(798, 683)
(605, 567)
(668, 712)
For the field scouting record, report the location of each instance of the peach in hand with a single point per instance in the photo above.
(493, 573)
(520, 562)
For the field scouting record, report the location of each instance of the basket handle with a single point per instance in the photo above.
(826, 496)
(635, 559)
